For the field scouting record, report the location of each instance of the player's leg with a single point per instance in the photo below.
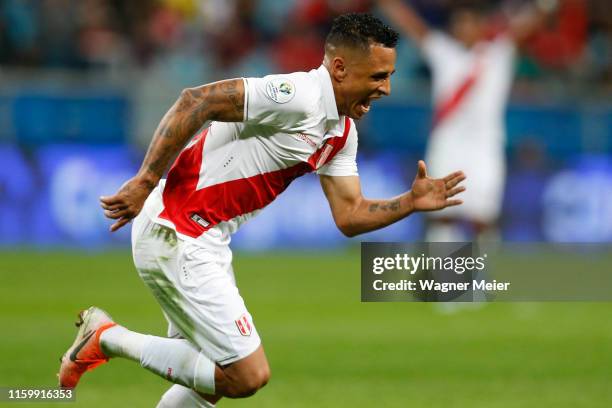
(177, 360)
(475, 219)
(445, 154)
(444, 229)
(178, 393)
(99, 338)
(244, 377)
(485, 231)
(180, 396)
(488, 185)
(196, 289)
(216, 337)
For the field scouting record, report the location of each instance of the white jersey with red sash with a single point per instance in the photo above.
(230, 171)
(470, 93)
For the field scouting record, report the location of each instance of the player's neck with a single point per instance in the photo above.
(339, 98)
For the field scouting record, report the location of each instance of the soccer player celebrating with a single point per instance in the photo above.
(253, 136)
(471, 74)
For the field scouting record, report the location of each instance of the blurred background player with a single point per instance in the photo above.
(472, 66)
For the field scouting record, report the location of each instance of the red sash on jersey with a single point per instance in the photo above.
(446, 107)
(194, 212)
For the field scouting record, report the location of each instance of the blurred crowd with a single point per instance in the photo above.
(225, 37)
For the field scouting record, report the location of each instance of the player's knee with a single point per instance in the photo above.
(264, 376)
(248, 384)
(254, 382)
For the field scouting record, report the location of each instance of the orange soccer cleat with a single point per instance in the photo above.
(85, 353)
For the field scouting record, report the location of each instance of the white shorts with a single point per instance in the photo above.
(196, 289)
(485, 169)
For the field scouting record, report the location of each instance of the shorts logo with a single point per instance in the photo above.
(280, 90)
(244, 327)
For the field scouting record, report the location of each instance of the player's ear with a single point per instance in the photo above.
(338, 68)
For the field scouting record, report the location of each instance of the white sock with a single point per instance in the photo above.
(176, 360)
(183, 397)
(120, 342)
(179, 361)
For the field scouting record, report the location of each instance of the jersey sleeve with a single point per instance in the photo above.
(282, 101)
(345, 162)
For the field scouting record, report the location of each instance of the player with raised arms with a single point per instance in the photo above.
(472, 65)
(240, 143)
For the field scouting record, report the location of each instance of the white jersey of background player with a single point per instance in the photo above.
(265, 133)
(471, 80)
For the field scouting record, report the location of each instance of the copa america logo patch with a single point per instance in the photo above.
(244, 327)
(280, 90)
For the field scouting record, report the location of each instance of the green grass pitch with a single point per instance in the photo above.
(326, 348)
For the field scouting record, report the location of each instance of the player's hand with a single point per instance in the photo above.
(127, 202)
(430, 194)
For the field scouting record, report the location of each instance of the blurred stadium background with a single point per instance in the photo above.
(83, 84)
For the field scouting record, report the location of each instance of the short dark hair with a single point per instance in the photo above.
(360, 30)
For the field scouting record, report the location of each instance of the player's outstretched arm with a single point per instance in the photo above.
(355, 214)
(219, 101)
(405, 18)
(530, 19)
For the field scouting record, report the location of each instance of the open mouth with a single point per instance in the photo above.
(365, 106)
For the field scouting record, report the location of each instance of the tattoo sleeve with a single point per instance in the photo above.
(220, 101)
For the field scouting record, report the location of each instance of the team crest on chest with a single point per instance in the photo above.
(280, 90)
(244, 327)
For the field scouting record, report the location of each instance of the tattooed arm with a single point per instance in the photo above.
(220, 101)
(355, 214)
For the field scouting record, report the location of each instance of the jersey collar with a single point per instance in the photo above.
(329, 100)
